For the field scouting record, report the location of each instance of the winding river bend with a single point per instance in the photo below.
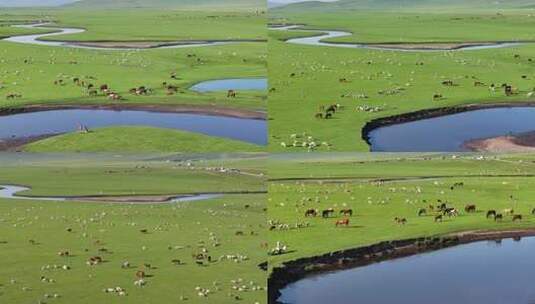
(35, 39)
(484, 272)
(449, 133)
(11, 192)
(49, 122)
(318, 40)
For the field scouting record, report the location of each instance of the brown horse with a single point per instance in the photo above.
(140, 274)
(327, 212)
(344, 222)
(517, 217)
(311, 212)
(346, 212)
(438, 218)
(498, 217)
(422, 211)
(231, 94)
(491, 213)
(400, 221)
(470, 208)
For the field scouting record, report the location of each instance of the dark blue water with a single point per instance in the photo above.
(448, 133)
(256, 84)
(478, 273)
(62, 121)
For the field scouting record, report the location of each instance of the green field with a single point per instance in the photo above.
(139, 140)
(350, 182)
(31, 71)
(303, 78)
(34, 232)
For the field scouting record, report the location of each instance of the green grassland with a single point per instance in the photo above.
(161, 25)
(418, 26)
(325, 182)
(31, 70)
(303, 78)
(139, 140)
(174, 231)
(213, 5)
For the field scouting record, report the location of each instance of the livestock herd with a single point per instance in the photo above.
(439, 212)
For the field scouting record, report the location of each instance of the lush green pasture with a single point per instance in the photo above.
(303, 78)
(209, 5)
(30, 71)
(421, 25)
(7, 20)
(161, 25)
(138, 140)
(108, 177)
(34, 232)
(419, 181)
(143, 24)
(123, 70)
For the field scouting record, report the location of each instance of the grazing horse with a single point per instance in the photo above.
(508, 211)
(104, 88)
(438, 218)
(140, 274)
(346, 212)
(231, 94)
(344, 222)
(422, 211)
(498, 217)
(517, 217)
(327, 212)
(400, 221)
(311, 212)
(470, 208)
(332, 108)
(508, 90)
(491, 213)
(452, 212)
(448, 83)
(13, 96)
(533, 211)
(94, 260)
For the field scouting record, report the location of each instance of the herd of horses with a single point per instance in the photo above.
(105, 90)
(327, 112)
(440, 211)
